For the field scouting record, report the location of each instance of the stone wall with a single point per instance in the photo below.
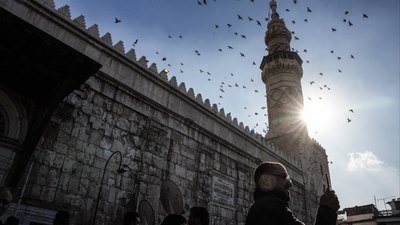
(156, 146)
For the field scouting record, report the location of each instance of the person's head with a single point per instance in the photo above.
(61, 218)
(272, 176)
(5, 199)
(198, 216)
(174, 219)
(12, 220)
(131, 218)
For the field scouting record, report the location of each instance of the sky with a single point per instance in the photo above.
(191, 41)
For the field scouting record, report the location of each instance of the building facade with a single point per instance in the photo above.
(87, 127)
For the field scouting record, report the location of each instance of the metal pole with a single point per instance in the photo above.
(101, 183)
(23, 189)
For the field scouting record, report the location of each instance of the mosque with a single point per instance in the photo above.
(87, 127)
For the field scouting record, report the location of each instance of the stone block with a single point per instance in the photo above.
(106, 142)
(52, 178)
(180, 171)
(35, 191)
(73, 185)
(61, 148)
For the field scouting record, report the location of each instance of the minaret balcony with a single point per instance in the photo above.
(280, 55)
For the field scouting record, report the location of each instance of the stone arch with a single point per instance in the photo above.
(13, 118)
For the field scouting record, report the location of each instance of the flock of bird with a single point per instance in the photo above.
(227, 85)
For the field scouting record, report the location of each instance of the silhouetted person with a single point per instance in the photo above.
(132, 218)
(12, 220)
(198, 216)
(61, 218)
(272, 195)
(174, 219)
(5, 200)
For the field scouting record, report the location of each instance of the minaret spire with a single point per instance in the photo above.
(282, 73)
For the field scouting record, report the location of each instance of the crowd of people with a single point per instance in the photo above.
(270, 207)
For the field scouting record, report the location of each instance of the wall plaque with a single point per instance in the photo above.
(223, 189)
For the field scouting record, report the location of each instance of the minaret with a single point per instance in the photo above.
(281, 73)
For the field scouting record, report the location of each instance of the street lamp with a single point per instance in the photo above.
(120, 170)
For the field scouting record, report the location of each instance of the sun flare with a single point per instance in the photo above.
(318, 117)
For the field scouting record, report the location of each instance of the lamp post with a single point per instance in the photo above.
(120, 170)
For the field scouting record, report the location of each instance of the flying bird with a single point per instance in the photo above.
(333, 29)
(239, 17)
(350, 24)
(348, 120)
(365, 15)
(117, 20)
(351, 110)
(308, 9)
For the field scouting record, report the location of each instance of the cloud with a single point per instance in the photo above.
(364, 161)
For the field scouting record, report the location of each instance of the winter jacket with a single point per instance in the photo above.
(271, 208)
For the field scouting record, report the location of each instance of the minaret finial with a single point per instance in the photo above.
(273, 6)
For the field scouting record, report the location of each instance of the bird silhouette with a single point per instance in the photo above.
(308, 9)
(347, 12)
(348, 120)
(135, 42)
(352, 56)
(351, 110)
(365, 15)
(239, 17)
(350, 24)
(333, 29)
(258, 23)
(117, 20)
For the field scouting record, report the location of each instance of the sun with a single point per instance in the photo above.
(318, 117)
